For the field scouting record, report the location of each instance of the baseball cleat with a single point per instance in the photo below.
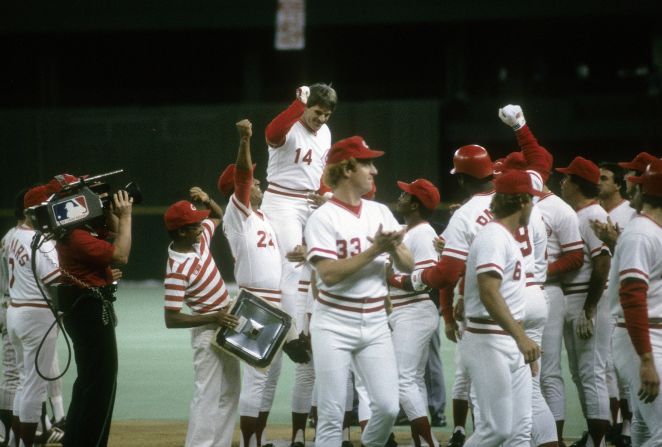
(582, 441)
(438, 421)
(52, 436)
(457, 440)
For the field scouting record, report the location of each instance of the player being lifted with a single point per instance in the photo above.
(298, 140)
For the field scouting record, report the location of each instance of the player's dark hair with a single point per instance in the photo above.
(322, 95)
(619, 175)
(335, 172)
(473, 185)
(425, 212)
(504, 205)
(654, 201)
(588, 189)
(18, 204)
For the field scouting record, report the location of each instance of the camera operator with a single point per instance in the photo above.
(86, 298)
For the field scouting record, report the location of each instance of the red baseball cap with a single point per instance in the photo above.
(355, 147)
(515, 182)
(651, 179)
(36, 195)
(514, 160)
(583, 168)
(183, 213)
(639, 162)
(424, 191)
(225, 183)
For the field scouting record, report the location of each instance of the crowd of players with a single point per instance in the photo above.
(519, 271)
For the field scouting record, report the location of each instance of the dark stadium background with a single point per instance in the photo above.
(156, 87)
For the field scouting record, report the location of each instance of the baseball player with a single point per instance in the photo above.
(29, 319)
(620, 212)
(586, 327)
(472, 167)
(560, 232)
(348, 242)
(257, 269)
(638, 308)
(494, 307)
(415, 318)
(193, 278)
(298, 140)
(635, 167)
(10, 374)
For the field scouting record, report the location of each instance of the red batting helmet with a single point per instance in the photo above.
(472, 160)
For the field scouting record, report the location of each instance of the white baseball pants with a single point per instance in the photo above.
(216, 394)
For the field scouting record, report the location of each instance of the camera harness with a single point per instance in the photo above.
(108, 315)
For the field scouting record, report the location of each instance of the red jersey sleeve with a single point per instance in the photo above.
(567, 262)
(243, 182)
(635, 308)
(537, 157)
(278, 128)
(446, 303)
(444, 273)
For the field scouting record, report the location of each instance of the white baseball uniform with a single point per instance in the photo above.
(465, 222)
(349, 325)
(637, 257)
(562, 236)
(294, 170)
(587, 358)
(503, 391)
(533, 244)
(10, 374)
(414, 321)
(29, 318)
(620, 215)
(194, 279)
(257, 267)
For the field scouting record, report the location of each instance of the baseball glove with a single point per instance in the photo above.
(298, 350)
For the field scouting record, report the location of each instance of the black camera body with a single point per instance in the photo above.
(79, 203)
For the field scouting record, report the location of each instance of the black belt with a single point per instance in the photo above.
(67, 296)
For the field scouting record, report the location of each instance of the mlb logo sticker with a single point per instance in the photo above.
(71, 210)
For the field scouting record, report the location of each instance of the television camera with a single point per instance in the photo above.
(78, 203)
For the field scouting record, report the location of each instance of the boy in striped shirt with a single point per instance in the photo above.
(192, 278)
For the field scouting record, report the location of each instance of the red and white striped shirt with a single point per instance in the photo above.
(193, 277)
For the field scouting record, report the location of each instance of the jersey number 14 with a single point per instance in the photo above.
(307, 157)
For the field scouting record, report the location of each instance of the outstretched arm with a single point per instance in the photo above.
(278, 128)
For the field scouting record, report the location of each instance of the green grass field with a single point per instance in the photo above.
(156, 372)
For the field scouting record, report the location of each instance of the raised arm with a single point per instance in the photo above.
(243, 174)
(537, 157)
(278, 128)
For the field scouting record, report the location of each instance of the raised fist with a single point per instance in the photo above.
(303, 93)
(512, 116)
(245, 128)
